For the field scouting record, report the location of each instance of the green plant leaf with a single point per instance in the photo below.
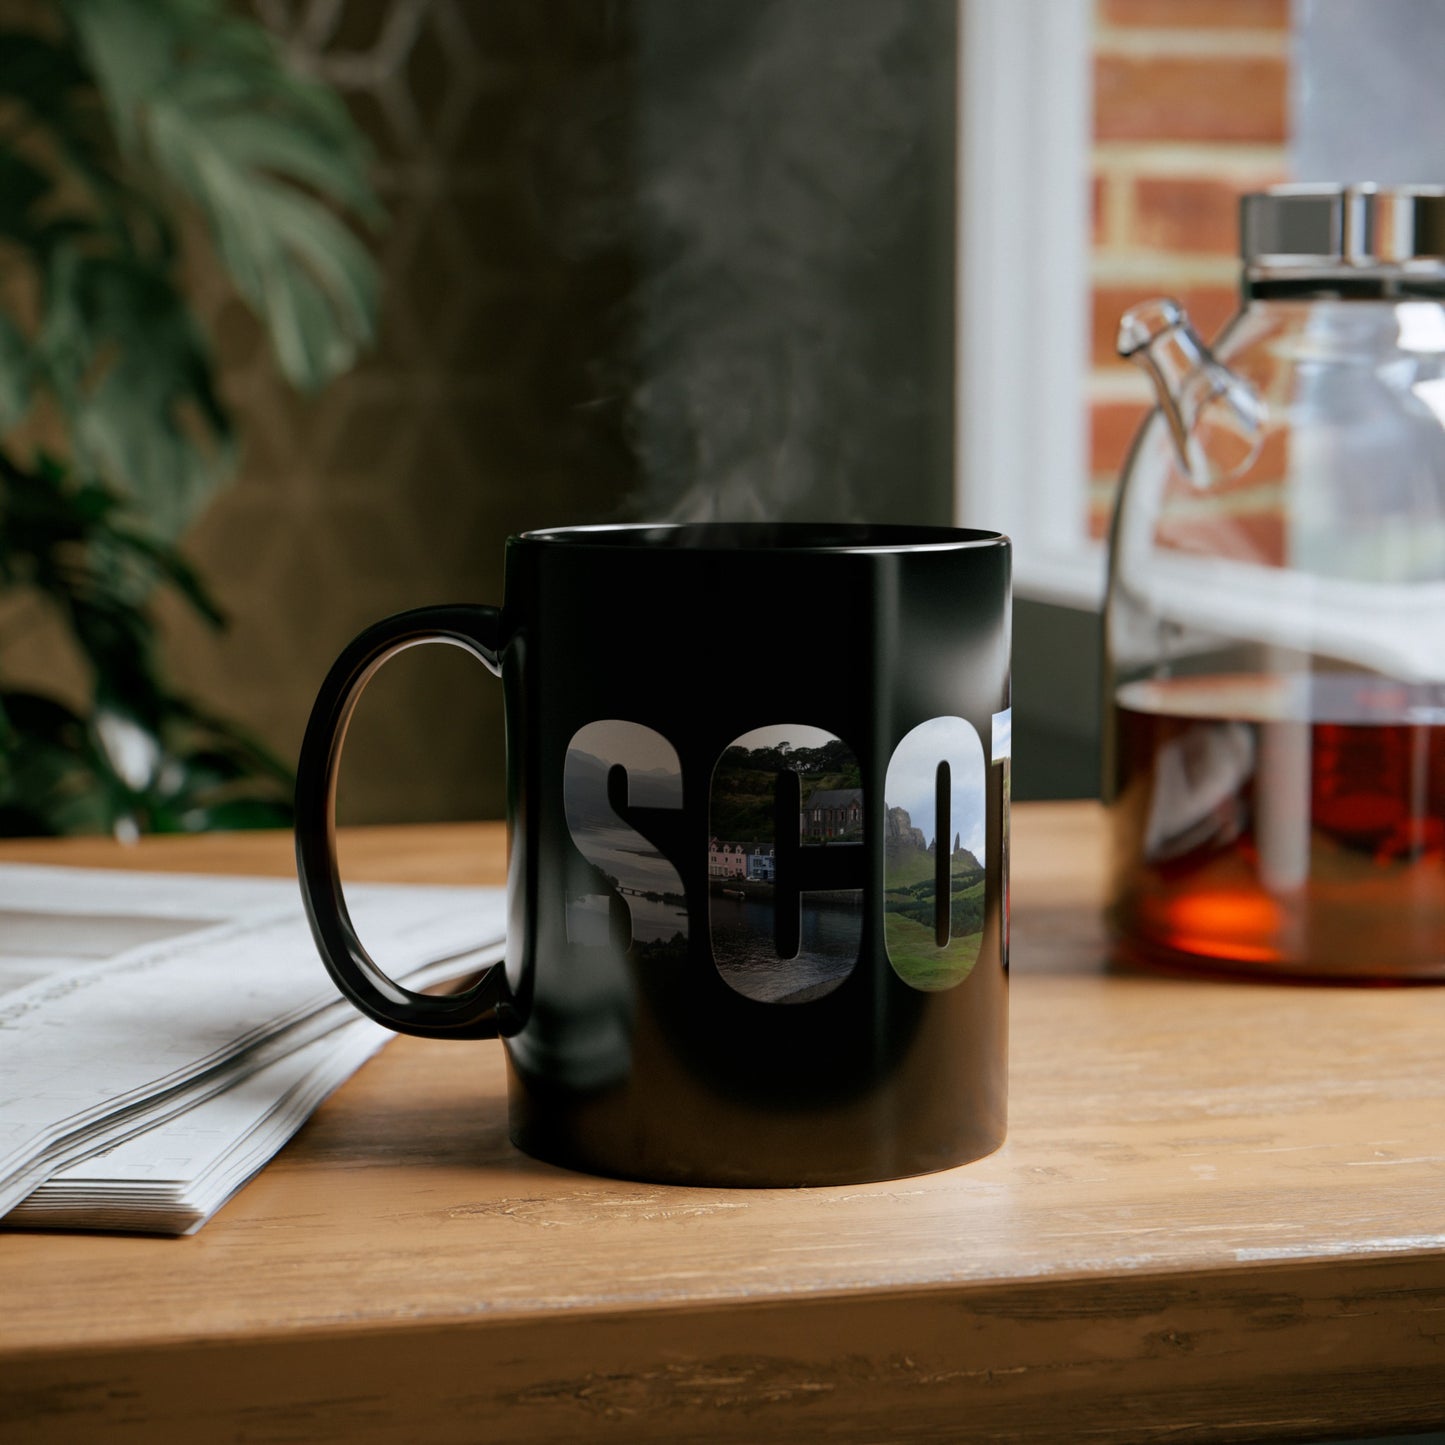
(64, 773)
(52, 91)
(39, 74)
(15, 374)
(264, 153)
(128, 107)
(235, 813)
(49, 783)
(72, 544)
(21, 186)
(133, 376)
(129, 48)
(169, 566)
(309, 278)
(221, 735)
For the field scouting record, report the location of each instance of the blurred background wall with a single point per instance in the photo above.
(645, 258)
(481, 413)
(662, 258)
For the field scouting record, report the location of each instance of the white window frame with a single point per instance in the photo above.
(1025, 136)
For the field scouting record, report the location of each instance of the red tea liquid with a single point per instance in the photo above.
(1286, 826)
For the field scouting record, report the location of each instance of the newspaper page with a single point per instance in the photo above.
(129, 1000)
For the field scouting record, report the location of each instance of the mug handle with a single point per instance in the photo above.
(471, 1014)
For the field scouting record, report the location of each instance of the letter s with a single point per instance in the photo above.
(613, 764)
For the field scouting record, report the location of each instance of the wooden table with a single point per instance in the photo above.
(1220, 1215)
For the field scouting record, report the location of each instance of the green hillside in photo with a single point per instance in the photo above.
(910, 890)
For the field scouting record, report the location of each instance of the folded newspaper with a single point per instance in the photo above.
(162, 1035)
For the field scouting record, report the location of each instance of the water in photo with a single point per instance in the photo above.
(769, 941)
(621, 861)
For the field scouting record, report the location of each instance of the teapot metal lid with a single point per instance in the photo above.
(1343, 231)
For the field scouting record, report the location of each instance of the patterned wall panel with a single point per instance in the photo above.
(480, 413)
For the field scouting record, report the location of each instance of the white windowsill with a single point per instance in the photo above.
(1025, 128)
(1064, 579)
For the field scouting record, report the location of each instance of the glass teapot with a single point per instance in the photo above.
(1275, 620)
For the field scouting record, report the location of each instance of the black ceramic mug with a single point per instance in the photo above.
(758, 822)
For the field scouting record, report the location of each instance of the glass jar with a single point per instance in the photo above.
(1275, 619)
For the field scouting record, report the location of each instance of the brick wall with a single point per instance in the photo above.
(1190, 111)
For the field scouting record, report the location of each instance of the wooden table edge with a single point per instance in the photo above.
(1033, 1354)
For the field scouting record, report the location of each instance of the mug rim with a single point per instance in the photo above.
(818, 537)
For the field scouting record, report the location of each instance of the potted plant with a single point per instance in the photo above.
(124, 126)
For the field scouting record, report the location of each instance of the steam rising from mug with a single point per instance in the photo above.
(789, 205)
